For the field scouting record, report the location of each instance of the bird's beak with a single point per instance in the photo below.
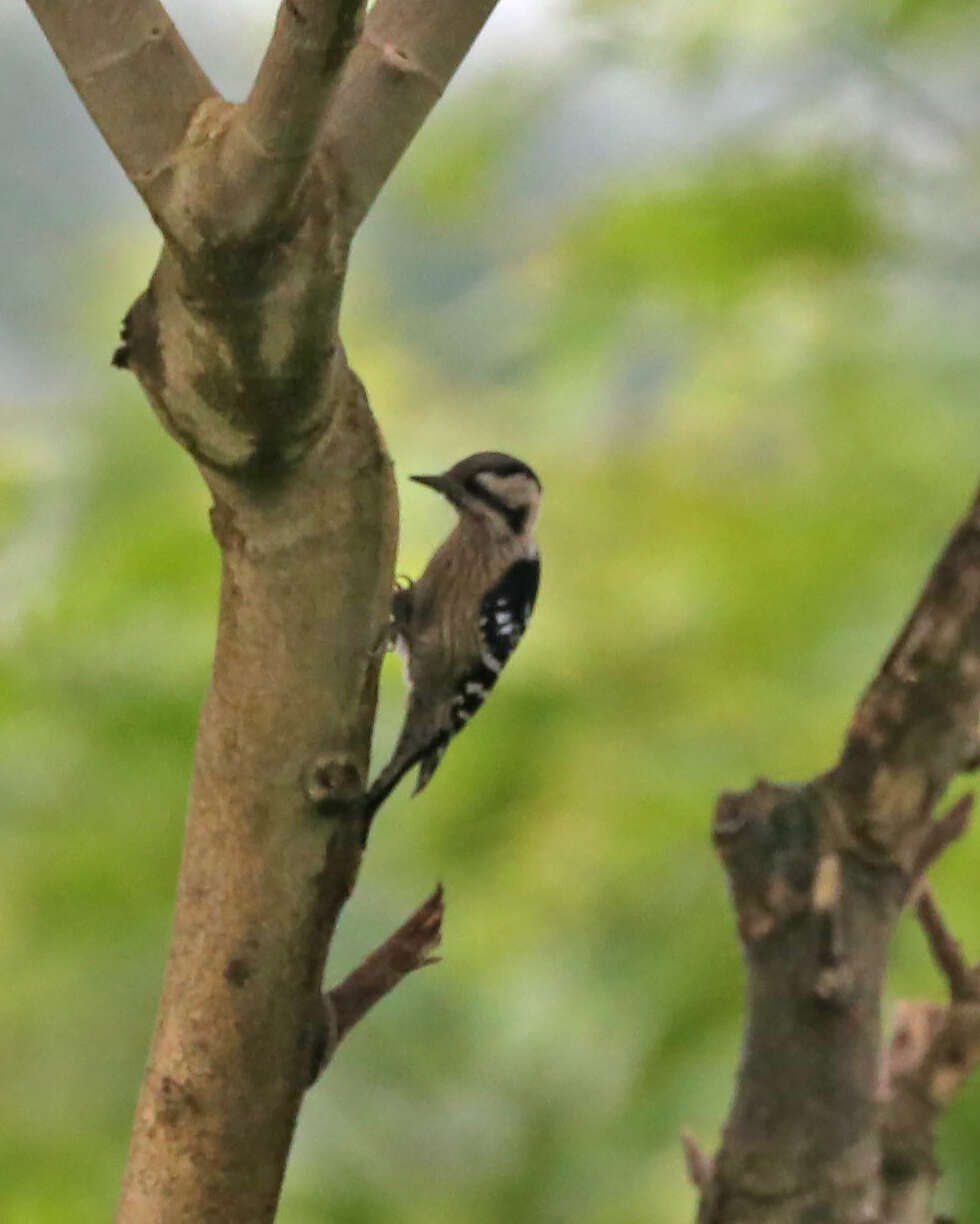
(441, 484)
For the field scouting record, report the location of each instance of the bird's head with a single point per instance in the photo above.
(494, 487)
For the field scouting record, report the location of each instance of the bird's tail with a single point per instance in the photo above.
(428, 751)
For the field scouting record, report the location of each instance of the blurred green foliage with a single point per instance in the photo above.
(713, 239)
(746, 368)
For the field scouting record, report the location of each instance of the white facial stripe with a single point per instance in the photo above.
(514, 490)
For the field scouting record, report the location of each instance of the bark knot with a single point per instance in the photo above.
(332, 782)
(237, 972)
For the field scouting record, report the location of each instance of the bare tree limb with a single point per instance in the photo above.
(275, 132)
(963, 981)
(136, 76)
(916, 726)
(409, 948)
(819, 874)
(397, 72)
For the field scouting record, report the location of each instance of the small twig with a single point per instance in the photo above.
(946, 950)
(409, 948)
(939, 836)
(700, 1166)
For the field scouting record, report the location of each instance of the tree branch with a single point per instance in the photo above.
(939, 835)
(819, 874)
(235, 341)
(274, 133)
(409, 948)
(963, 981)
(136, 76)
(933, 1051)
(916, 726)
(306, 588)
(395, 75)
(697, 1162)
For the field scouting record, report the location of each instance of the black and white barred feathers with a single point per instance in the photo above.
(460, 623)
(504, 613)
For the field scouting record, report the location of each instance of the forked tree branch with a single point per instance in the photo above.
(134, 73)
(235, 342)
(819, 874)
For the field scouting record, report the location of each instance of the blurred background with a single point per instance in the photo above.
(714, 271)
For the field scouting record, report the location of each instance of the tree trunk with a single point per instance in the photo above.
(235, 343)
(823, 1128)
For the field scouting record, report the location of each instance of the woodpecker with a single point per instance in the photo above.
(459, 623)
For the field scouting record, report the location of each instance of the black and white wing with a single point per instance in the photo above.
(506, 610)
(504, 614)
